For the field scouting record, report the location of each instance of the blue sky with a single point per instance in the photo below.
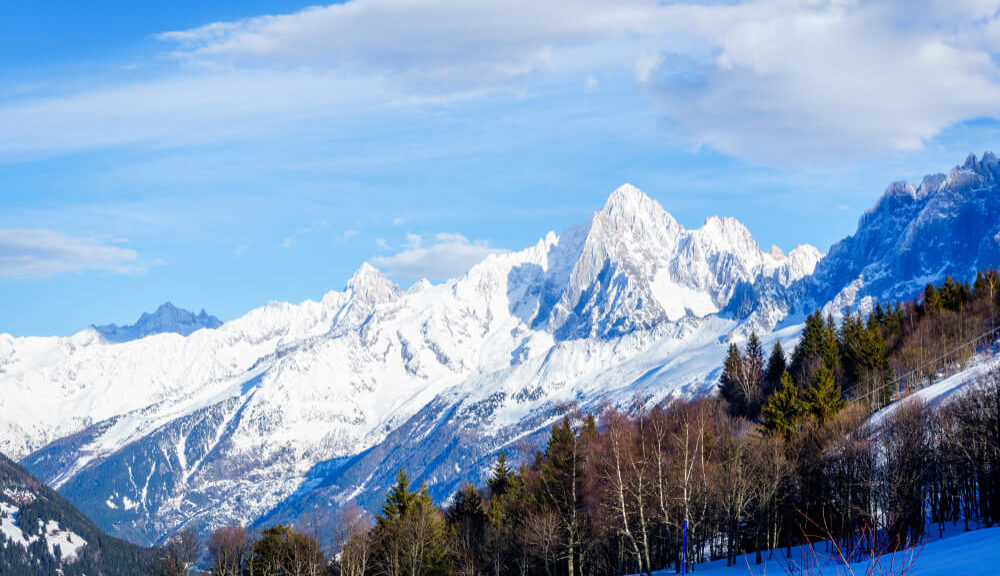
(222, 155)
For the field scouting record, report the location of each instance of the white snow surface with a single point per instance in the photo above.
(964, 553)
(620, 307)
(68, 541)
(946, 388)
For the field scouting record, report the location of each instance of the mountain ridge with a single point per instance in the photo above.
(291, 406)
(166, 318)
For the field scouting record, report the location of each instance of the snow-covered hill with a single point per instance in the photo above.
(41, 533)
(295, 406)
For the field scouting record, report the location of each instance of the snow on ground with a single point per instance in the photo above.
(967, 553)
(946, 388)
(68, 541)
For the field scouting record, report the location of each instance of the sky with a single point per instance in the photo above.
(223, 155)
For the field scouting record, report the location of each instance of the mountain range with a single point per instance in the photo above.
(293, 408)
(167, 318)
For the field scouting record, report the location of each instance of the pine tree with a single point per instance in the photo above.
(399, 499)
(831, 347)
(808, 352)
(932, 299)
(776, 366)
(729, 380)
(824, 398)
(950, 294)
(783, 408)
(500, 478)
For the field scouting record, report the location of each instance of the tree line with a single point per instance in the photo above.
(786, 454)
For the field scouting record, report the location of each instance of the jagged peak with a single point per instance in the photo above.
(985, 165)
(364, 274)
(625, 194)
(628, 205)
(420, 286)
(971, 161)
(168, 306)
(369, 283)
(726, 231)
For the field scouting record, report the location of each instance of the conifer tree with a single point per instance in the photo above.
(399, 500)
(776, 366)
(932, 299)
(783, 408)
(500, 478)
(808, 352)
(824, 398)
(729, 379)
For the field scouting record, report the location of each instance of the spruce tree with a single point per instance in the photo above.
(500, 478)
(776, 366)
(824, 398)
(729, 380)
(932, 299)
(783, 408)
(399, 499)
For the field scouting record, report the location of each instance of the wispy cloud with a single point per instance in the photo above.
(293, 238)
(775, 81)
(347, 235)
(787, 81)
(436, 257)
(26, 253)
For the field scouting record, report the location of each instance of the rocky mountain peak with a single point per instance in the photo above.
(166, 318)
(369, 284)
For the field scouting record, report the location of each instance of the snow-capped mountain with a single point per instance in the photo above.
(167, 318)
(915, 234)
(290, 401)
(293, 407)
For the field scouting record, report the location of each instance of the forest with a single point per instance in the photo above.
(788, 453)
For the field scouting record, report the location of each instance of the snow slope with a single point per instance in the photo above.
(966, 553)
(63, 545)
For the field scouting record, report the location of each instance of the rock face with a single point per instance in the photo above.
(946, 225)
(167, 318)
(293, 407)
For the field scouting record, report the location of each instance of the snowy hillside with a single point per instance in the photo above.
(42, 533)
(226, 424)
(963, 553)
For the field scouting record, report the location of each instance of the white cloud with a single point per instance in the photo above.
(42, 253)
(781, 81)
(590, 84)
(775, 81)
(645, 66)
(346, 235)
(442, 256)
(451, 43)
(382, 244)
(293, 238)
(770, 80)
